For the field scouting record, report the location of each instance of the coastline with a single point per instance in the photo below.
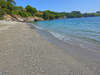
(24, 52)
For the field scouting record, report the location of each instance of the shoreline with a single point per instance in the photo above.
(24, 51)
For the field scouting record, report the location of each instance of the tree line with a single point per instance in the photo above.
(9, 7)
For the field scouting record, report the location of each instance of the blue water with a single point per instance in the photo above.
(82, 30)
(79, 37)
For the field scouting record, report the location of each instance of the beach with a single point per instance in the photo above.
(24, 52)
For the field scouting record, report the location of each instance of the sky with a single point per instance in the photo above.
(62, 5)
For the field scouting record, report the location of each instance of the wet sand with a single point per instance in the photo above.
(24, 52)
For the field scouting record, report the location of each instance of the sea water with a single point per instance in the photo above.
(80, 30)
(80, 37)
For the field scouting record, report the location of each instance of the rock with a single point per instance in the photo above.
(8, 17)
(18, 18)
(29, 19)
(38, 19)
(21, 19)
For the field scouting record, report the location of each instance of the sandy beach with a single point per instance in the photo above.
(24, 52)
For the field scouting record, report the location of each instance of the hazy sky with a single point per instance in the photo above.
(62, 5)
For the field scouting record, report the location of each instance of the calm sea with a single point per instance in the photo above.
(82, 30)
(80, 37)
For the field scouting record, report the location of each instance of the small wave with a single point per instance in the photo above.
(38, 27)
(56, 35)
(59, 36)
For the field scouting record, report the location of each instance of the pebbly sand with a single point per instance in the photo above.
(24, 52)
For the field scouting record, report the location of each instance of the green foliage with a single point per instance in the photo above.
(74, 14)
(51, 16)
(9, 7)
(31, 10)
(15, 12)
(11, 2)
(24, 14)
(98, 12)
(3, 4)
(2, 12)
(38, 14)
(48, 15)
(18, 8)
(91, 14)
(58, 16)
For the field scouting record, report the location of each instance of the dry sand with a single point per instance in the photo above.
(24, 52)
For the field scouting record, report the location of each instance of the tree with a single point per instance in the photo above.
(31, 10)
(3, 4)
(10, 6)
(11, 2)
(74, 14)
(85, 15)
(48, 15)
(51, 16)
(2, 12)
(24, 14)
(39, 14)
(98, 12)
(57, 16)
(19, 8)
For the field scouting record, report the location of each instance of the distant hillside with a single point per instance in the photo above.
(8, 7)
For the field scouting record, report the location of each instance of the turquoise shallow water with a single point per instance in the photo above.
(76, 29)
(79, 37)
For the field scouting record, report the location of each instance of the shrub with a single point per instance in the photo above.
(2, 12)
(24, 14)
(31, 10)
(39, 14)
